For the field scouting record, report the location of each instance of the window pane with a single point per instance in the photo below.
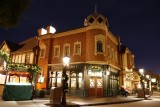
(77, 48)
(73, 82)
(59, 82)
(99, 46)
(92, 83)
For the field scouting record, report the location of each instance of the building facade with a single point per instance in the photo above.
(129, 78)
(94, 58)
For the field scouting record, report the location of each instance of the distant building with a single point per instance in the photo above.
(25, 53)
(129, 78)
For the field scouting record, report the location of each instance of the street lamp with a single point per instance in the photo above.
(141, 80)
(66, 60)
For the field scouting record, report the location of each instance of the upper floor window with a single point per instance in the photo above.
(66, 50)
(56, 51)
(99, 46)
(77, 48)
(42, 51)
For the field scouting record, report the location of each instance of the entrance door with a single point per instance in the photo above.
(96, 87)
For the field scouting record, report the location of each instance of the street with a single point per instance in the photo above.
(151, 102)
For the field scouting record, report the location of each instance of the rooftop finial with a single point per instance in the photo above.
(96, 7)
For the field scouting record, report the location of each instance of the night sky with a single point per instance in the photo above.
(135, 21)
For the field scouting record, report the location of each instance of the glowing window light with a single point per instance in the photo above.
(153, 79)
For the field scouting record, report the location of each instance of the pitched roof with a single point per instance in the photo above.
(11, 45)
(27, 45)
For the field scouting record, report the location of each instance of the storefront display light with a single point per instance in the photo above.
(153, 79)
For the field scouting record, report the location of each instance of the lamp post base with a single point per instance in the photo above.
(64, 99)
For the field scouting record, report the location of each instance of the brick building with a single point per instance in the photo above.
(94, 58)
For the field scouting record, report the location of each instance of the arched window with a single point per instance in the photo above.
(99, 46)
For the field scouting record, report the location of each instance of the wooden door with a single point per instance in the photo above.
(95, 87)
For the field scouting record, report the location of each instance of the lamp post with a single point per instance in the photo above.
(141, 80)
(66, 60)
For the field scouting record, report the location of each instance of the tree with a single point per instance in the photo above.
(10, 12)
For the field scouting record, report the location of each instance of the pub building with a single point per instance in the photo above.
(94, 68)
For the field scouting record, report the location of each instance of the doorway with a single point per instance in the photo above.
(95, 87)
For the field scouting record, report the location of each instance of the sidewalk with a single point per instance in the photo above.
(71, 102)
(75, 102)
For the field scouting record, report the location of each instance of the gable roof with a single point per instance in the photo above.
(11, 45)
(27, 45)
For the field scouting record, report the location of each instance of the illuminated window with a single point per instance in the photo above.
(27, 58)
(92, 83)
(73, 83)
(19, 58)
(2, 79)
(13, 58)
(23, 58)
(31, 57)
(42, 51)
(59, 76)
(23, 79)
(99, 83)
(16, 59)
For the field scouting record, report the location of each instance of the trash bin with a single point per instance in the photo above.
(140, 93)
(55, 95)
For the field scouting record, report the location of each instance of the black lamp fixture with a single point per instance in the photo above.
(66, 60)
(141, 71)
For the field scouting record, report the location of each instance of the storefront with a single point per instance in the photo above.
(17, 86)
(87, 80)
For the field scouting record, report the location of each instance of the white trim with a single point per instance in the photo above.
(101, 38)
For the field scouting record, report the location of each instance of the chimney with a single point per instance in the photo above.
(42, 31)
(50, 29)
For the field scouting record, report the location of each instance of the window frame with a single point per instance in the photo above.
(42, 51)
(75, 48)
(64, 49)
(55, 52)
(102, 39)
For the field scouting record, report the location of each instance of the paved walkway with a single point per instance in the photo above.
(72, 101)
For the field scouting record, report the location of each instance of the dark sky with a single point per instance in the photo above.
(137, 22)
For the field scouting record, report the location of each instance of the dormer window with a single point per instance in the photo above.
(91, 20)
(100, 20)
